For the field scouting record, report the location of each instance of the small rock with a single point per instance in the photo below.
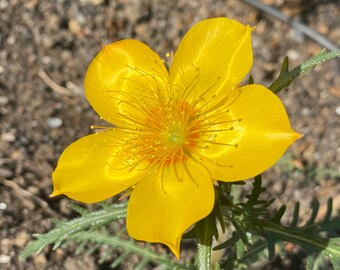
(3, 99)
(4, 258)
(75, 264)
(21, 239)
(3, 206)
(96, 2)
(337, 110)
(40, 260)
(64, 207)
(142, 30)
(3, 4)
(33, 189)
(293, 54)
(5, 173)
(17, 155)
(306, 111)
(8, 137)
(74, 26)
(11, 40)
(54, 122)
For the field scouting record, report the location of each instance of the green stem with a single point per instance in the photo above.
(204, 253)
(286, 77)
(130, 247)
(204, 237)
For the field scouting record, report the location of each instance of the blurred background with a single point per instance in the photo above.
(45, 48)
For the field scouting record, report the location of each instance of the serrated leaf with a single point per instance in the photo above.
(65, 229)
(229, 243)
(332, 251)
(80, 210)
(128, 246)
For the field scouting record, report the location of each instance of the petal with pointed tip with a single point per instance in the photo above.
(89, 170)
(213, 58)
(169, 201)
(260, 135)
(123, 78)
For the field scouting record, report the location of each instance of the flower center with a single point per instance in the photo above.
(175, 135)
(167, 136)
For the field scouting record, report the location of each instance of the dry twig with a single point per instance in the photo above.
(302, 28)
(25, 196)
(54, 86)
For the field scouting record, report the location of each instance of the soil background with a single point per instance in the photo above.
(45, 48)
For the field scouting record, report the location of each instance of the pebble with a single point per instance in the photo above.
(46, 59)
(8, 137)
(40, 260)
(4, 258)
(306, 111)
(337, 110)
(11, 40)
(54, 122)
(97, 2)
(3, 99)
(74, 26)
(5, 173)
(3, 4)
(21, 239)
(293, 54)
(3, 206)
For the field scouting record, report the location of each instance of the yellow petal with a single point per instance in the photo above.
(166, 203)
(122, 77)
(89, 170)
(213, 57)
(256, 134)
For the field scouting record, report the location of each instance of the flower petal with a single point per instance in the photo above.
(90, 171)
(122, 76)
(260, 133)
(165, 204)
(213, 57)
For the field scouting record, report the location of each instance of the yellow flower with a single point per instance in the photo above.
(175, 131)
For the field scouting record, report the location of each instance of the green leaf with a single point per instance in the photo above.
(65, 229)
(306, 237)
(286, 77)
(250, 79)
(253, 216)
(128, 247)
(332, 251)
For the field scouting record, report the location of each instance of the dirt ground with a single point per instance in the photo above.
(45, 47)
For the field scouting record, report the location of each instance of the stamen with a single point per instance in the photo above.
(212, 131)
(210, 124)
(199, 162)
(211, 87)
(162, 179)
(222, 165)
(189, 174)
(100, 128)
(217, 143)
